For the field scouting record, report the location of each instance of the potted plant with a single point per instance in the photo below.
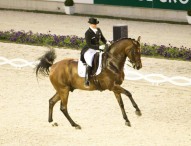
(69, 7)
(189, 16)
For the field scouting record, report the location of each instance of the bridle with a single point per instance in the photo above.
(133, 62)
(132, 51)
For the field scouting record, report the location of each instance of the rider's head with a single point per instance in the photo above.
(93, 22)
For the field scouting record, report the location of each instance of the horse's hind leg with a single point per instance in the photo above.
(120, 101)
(52, 102)
(64, 93)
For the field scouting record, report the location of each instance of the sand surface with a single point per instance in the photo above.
(24, 101)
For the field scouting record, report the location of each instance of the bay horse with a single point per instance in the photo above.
(64, 76)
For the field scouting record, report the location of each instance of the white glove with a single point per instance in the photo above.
(108, 43)
(102, 47)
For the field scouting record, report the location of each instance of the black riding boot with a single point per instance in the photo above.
(87, 76)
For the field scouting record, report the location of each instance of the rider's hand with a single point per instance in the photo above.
(108, 43)
(102, 47)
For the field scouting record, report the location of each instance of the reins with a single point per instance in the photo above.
(117, 58)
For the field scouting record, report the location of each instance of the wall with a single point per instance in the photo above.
(97, 9)
(161, 4)
(134, 12)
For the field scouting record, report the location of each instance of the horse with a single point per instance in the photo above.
(64, 76)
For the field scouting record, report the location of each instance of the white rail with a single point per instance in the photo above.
(17, 62)
(130, 74)
(156, 78)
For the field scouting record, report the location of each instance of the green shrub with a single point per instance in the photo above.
(76, 42)
(69, 3)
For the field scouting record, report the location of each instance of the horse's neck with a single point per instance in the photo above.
(117, 57)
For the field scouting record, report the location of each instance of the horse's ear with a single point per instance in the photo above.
(139, 38)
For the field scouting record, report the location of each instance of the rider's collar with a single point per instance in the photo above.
(94, 29)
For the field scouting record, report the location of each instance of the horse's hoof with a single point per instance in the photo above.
(138, 113)
(128, 124)
(50, 120)
(78, 127)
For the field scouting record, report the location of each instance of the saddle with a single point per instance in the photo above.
(96, 65)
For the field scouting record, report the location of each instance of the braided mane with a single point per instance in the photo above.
(115, 42)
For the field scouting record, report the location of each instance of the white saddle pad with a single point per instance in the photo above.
(82, 67)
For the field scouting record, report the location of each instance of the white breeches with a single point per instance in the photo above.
(88, 56)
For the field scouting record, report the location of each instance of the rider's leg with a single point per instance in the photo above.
(87, 76)
(88, 56)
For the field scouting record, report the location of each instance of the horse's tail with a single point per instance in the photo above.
(45, 62)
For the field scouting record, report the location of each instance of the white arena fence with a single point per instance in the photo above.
(156, 79)
(130, 74)
(17, 62)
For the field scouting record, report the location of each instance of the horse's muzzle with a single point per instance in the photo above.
(137, 66)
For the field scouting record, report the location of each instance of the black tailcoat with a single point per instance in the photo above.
(92, 41)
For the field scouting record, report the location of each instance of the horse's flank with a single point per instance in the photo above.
(64, 73)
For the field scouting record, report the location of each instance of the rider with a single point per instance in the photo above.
(92, 36)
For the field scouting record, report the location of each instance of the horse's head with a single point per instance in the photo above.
(134, 54)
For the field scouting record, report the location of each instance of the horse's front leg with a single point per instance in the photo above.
(120, 101)
(119, 89)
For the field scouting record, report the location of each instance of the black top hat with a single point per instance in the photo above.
(93, 21)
